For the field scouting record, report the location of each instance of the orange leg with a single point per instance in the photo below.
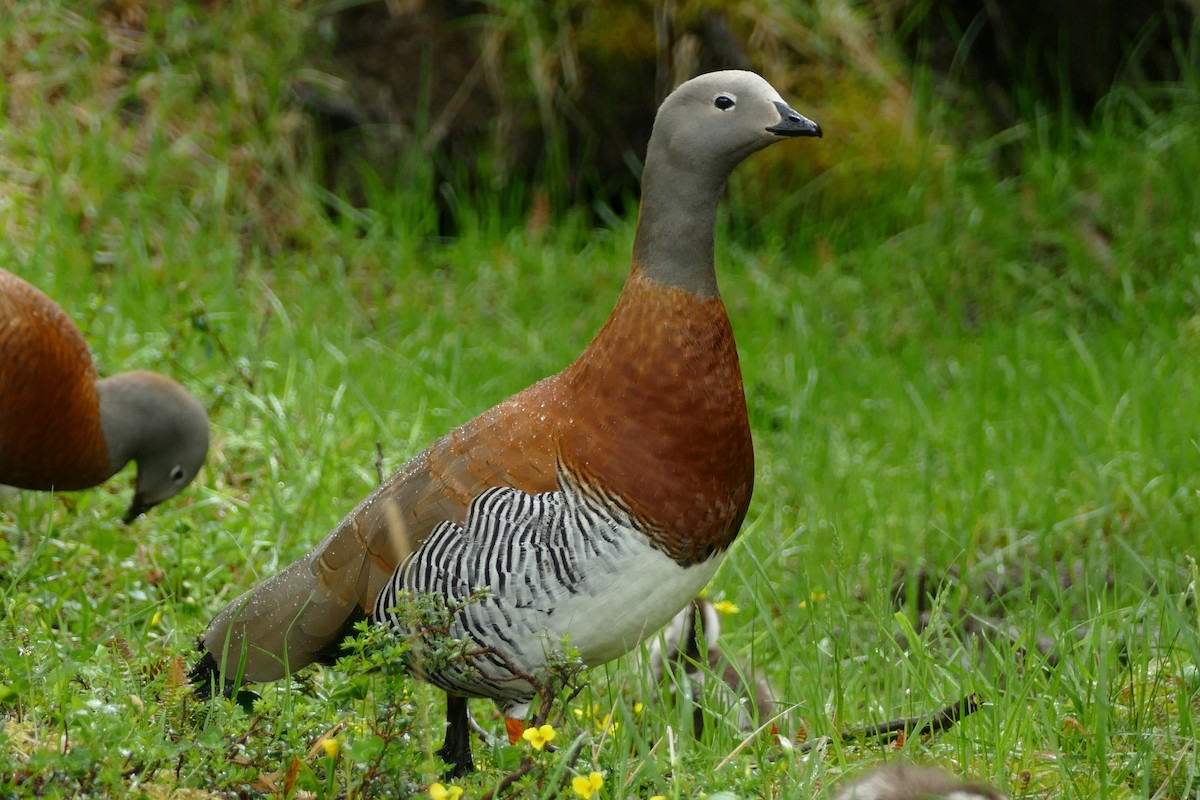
(515, 728)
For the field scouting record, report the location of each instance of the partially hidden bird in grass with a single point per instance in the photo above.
(63, 428)
(590, 507)
(686, 658)
(910, 782)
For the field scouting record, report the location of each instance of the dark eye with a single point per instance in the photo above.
(177, 474)
(723, 102)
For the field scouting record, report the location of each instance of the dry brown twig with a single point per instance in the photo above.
(942, 720)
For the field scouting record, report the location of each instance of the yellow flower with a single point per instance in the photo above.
(586, 787)
(156, 619)
(439, 792)
(331, 746)
(539, 737)
(816, 595)
(658, 797)
(606, 724)
(726, 607)
(637, 709)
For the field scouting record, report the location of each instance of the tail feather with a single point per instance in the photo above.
(284, 624)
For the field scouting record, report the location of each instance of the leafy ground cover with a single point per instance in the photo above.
(974, 413)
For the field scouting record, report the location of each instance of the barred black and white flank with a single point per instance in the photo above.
(557, 567)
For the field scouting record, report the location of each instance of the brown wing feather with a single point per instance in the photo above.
(292, 619)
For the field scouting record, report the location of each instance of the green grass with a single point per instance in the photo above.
(989, 375)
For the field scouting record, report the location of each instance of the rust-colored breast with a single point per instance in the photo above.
(652, 413)
(50, 433)
(660, 418)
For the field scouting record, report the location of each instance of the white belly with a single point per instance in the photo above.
(621, 608)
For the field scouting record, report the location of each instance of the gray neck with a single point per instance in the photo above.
(125, 414)
(674, 241)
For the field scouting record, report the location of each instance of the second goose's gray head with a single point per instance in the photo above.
(152, 420)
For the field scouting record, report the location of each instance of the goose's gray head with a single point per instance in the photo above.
(702, 131)
(165, 469)
(151, 419)
(717, 119)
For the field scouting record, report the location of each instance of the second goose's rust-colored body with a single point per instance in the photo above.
(50, 432)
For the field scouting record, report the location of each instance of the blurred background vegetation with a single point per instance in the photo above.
(540, 106)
